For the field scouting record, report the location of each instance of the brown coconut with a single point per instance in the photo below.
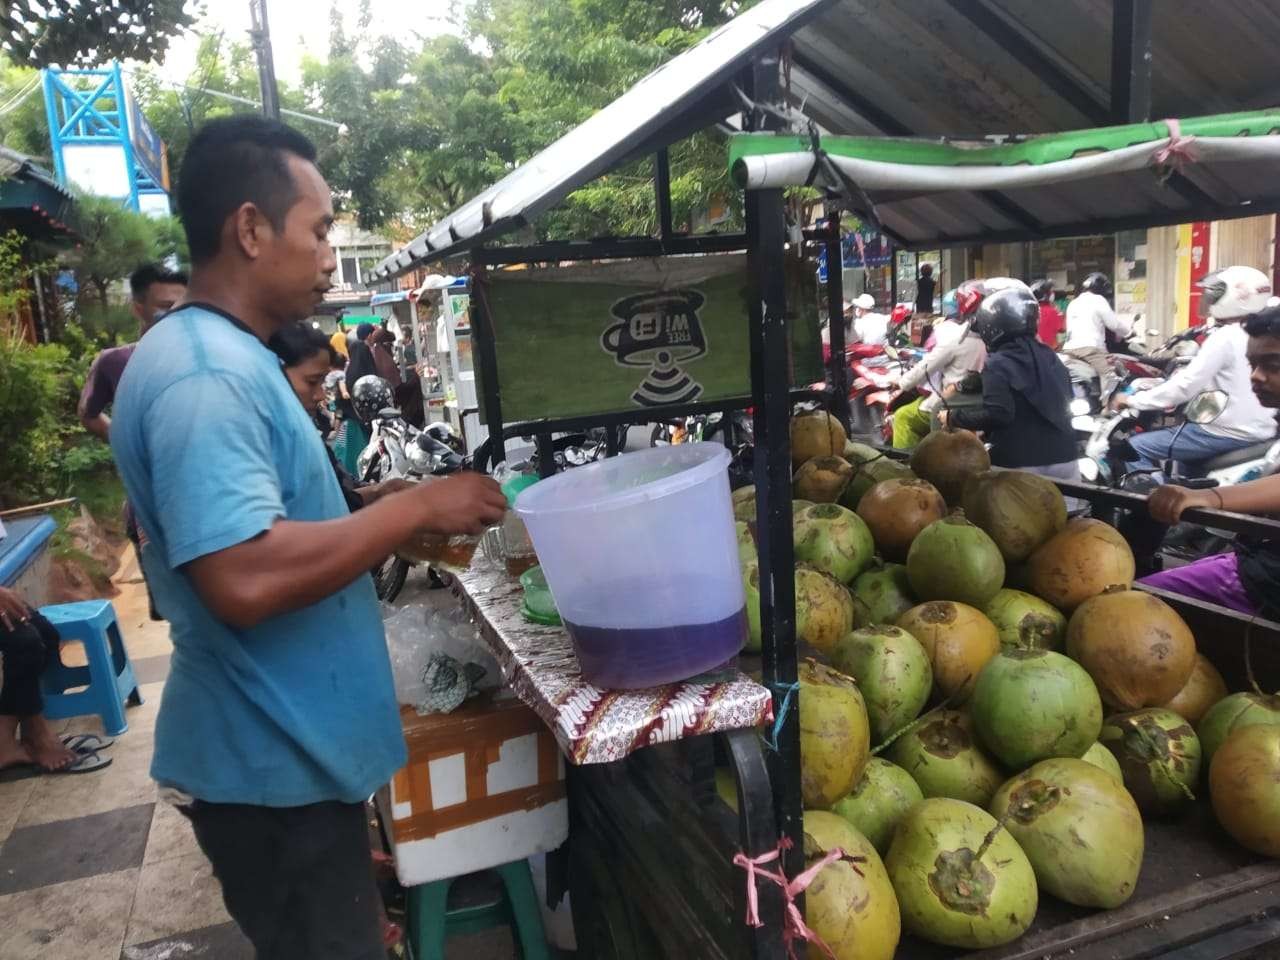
(897, 510)
(822, 479)
(816, 434)
(1084, 559)
(947, 459)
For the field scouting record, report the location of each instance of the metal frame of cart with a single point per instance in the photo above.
(650, 820)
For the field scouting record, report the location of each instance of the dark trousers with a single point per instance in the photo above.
(28, 650)
(297, 880)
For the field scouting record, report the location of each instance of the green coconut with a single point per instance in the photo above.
(952, 559)
(1159, 757)
(834, 540)
(867, 475)
(858, 453)
(744, 504)
(883, 593)
(850, 904)
(822, 479)
(961, 879)
(1026, 621)
(880, 800)
(835, 738)
(1105, 760)
(746, 542)
(893, 673)
(1018, 510)
(1232, 712)
(1030, 705)
(1244, 786)
(1079, 828)
(943, 757)
(824, 608)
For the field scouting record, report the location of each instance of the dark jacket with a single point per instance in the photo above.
(1025, 411)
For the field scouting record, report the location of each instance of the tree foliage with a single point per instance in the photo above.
(23, 126)
(114, 241)
(41, 33)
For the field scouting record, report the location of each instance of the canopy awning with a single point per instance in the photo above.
(1068, 182)
(931, 69)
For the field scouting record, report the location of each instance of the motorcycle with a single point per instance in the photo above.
(736, 427)
(397, 449)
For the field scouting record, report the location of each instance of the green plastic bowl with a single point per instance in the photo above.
(539, 607)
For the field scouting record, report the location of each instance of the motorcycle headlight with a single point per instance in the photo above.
(1079, 407)
(1088, 469)
(1083, 424)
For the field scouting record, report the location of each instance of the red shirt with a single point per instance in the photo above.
(1051, 325)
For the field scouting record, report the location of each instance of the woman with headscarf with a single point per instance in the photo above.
(381, 345)
(352, 435)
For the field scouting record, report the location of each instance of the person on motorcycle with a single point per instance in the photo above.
(955, 353)
(1248, 578)
(869, 327)
(1227, 296)
(1051, 323)
(1026, 390)
(1089, 318)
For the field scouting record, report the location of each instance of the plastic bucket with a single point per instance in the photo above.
(641, 555)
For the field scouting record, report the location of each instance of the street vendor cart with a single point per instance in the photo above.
(658, 864)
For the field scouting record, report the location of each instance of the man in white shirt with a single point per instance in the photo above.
(955, 354)
(868, 327)
(1089, 317)
(1228, 296)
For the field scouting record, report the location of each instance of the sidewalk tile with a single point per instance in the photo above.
(78, 920)
(175, 896)
(50, 853)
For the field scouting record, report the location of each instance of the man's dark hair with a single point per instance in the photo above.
(232, 161)
(1264, 323)
(141, 280)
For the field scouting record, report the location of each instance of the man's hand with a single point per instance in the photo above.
(466, 502)
(943, 417)
(377, 491)
(1119, 402)
(1167, 503)
(13, 610)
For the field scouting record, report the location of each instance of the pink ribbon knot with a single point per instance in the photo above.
(794, 927)
(1178, 151)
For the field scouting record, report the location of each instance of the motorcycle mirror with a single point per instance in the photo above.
(1206, 407)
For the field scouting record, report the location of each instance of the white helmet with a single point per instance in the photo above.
(1233, 292)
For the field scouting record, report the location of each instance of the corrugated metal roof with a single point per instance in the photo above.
(933, 68)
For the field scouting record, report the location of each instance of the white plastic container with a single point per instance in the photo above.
(641, 556)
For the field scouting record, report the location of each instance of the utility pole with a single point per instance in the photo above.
(260, 34)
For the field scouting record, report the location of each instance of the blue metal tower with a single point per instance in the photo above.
(101, 141)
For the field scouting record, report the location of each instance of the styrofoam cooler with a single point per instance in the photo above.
(484, 786)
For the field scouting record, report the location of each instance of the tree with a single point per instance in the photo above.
(23, 126)
(40, 33)
(114, 242)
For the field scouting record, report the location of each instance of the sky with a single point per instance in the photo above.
(299, 26)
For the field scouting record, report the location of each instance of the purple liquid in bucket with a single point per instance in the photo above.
(635, 657)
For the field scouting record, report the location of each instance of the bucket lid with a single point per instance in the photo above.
(625, 480)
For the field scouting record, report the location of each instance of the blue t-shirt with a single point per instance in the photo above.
(214, 448)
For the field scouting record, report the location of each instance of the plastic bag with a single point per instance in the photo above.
(419, 630)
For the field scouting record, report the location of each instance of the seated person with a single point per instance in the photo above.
(29, 646)
(869, 327)
(1026, 391)
(954, 353)
(1248, 578)
(1228, 296)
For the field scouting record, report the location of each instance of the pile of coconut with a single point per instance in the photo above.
(987, 709)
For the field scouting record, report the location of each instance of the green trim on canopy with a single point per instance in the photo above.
(1036, 150)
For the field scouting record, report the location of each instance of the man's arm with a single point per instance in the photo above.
(93, 401)
(1188, 381)
(997, 409)
(1119, 324)
(294, 564)
(1257, 496)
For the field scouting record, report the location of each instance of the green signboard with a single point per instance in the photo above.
(630, 335)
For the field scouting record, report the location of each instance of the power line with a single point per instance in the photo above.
(340, 127)
(18, 98)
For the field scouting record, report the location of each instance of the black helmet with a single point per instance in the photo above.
(1005, 314)
(1042, 290)
(1098, 283)
(370, 394)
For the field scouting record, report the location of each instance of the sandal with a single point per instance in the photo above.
(86, 742)
(84, 763)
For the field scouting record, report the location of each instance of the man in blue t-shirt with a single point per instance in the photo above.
(279, 717)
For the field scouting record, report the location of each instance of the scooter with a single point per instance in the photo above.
(397, 449)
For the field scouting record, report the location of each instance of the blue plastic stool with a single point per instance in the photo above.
(108, 679)
(431, 922)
